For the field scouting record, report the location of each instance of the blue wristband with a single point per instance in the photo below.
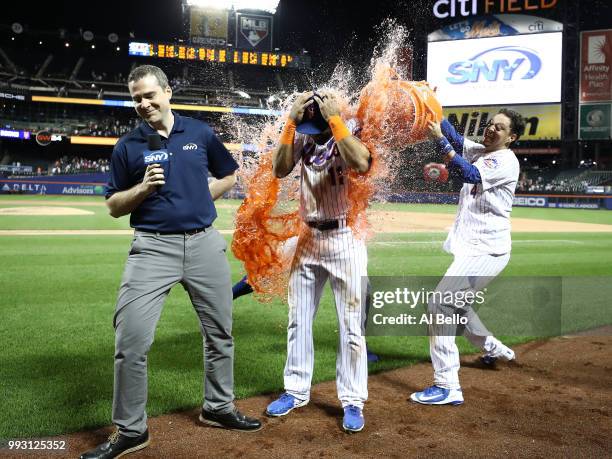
(444, 146)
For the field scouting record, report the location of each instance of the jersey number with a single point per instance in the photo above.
(336, 176)
(474, 191)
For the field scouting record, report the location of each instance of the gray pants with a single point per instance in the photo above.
(157, 263)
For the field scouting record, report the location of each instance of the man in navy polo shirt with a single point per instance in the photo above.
(171, 208)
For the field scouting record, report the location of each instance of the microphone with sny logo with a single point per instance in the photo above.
(155, 154)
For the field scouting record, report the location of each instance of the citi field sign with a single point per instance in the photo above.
(443, 9)
(499, 70)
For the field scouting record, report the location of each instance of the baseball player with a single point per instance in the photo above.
(326, 249)
(479, 240)
(242, 287)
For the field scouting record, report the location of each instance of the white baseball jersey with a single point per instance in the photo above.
(333, 254)
(480, 241)
(482, 224)
(324, 191)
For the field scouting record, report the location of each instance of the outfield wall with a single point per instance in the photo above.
(93, 185)
(562, 201)
(75, 184)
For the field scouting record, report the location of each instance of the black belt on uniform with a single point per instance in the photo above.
(166, 233)
(325, 225)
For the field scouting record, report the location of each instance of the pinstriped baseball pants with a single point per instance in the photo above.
(321, 255)
(466, 273)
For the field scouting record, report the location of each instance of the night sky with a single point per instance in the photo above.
(329, 30)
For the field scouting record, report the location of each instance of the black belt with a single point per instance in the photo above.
(167, 233)
(325, 225)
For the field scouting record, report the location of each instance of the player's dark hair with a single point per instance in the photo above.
(517, 122)
(144, 70)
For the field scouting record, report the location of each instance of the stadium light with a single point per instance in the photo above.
(261, 5)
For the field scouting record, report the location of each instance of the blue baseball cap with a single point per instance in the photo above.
(312, 122)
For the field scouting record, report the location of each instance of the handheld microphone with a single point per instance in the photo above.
(154, 142)
(155, 154)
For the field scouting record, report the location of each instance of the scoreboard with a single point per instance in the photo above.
(219, 55)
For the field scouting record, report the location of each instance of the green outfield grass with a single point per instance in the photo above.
(58, 294)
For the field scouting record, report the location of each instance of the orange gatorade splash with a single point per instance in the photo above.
(393, 114)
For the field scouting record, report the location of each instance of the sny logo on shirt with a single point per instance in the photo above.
(190, 146)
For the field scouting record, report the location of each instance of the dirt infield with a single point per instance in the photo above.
(99, 203)
(46, 202)
(43, 211)
(418, 222)
(555, 402)
(382, 222)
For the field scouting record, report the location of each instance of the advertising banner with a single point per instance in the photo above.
(254, 32)
(15, 134)
(495, 25)
(35, 187)
(595, 64)
(543, 122)
(76, 184)
(443, 9)
(530, 201)
(595, 121)
(208, 26)
(516, 69)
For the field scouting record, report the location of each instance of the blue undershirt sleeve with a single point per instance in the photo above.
(469, 172)
(451, 134)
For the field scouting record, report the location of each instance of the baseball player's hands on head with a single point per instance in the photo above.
(302, 101)
(435, 131)
(153, 177)
(328, 104)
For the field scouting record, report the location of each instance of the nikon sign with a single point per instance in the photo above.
(543, 121)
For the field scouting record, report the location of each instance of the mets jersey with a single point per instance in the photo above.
(324, 187)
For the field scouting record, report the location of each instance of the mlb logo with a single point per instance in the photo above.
(254, 29)
(490, 162)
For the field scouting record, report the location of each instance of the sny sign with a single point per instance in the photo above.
(475, 67)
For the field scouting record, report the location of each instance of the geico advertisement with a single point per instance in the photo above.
(542, 122)
(515, 69)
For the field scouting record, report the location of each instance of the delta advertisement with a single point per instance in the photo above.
(543, 122)
(47, 186)
(515, 69)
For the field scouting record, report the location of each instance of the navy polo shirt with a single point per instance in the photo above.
(184, 202)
